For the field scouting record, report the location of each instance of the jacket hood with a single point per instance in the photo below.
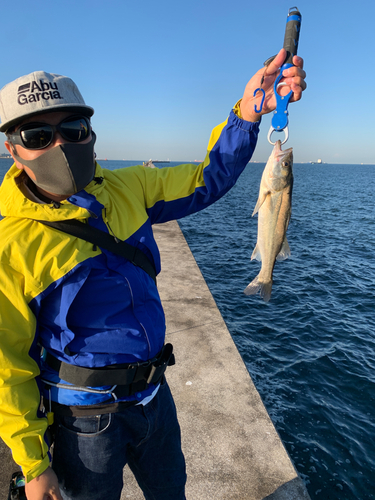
(14, 203)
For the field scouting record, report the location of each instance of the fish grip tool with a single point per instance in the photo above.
(279, 121)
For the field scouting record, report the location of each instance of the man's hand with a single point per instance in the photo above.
(294, 79)
(44, 487)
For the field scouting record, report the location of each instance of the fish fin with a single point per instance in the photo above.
(256, 286)
(285, 251)
(256, 254)
(261, 200)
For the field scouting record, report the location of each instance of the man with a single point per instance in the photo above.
(82, 329)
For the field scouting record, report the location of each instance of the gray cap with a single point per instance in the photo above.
(37, 93)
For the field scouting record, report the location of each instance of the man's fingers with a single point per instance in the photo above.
(297, 92)
(296, 81)
(279, 60)
(275, 65)
(294, 71)
(298, 61)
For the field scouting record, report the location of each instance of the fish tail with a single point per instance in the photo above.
(265, 288)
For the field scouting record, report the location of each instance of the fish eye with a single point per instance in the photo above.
(285, 164)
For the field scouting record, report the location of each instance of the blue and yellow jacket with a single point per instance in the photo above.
(86, 306)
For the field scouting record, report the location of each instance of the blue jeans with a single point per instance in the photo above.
(90, 452)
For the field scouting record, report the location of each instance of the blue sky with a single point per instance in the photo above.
(161, 75)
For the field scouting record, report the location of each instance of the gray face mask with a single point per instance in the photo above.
(64, 169)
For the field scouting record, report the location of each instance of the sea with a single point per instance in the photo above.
(311, 350)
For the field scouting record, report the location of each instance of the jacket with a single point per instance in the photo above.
(85, 305)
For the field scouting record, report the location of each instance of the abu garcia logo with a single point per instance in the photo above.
(34, 92)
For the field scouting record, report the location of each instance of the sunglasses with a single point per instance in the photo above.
(40, 135)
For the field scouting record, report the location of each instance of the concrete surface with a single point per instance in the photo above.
(232, 449)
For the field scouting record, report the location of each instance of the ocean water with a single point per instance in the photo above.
(311, 350)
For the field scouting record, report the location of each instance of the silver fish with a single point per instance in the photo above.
(274, 209)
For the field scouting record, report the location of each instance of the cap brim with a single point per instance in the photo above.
(85, 110)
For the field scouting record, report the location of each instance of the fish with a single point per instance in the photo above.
(274, 207)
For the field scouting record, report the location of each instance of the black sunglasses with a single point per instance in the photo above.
(40, 135)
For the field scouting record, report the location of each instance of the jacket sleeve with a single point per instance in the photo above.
(22, 426)
(175, 192)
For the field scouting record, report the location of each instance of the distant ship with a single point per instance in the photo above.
(317, 161)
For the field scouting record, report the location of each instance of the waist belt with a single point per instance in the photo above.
(87, 411)
(129, 378)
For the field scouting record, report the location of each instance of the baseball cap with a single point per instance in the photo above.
(36, 93)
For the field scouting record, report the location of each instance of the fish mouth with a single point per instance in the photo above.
(280, 155)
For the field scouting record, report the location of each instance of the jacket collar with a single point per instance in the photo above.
(15, 200)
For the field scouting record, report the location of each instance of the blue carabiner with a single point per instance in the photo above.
(259, 110)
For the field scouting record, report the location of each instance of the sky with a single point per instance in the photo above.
(161, 74)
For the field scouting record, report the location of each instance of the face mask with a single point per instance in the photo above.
(64, 169)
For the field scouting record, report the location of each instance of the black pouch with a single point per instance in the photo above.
(17, 487)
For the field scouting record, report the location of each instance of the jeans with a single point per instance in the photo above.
(90, 452)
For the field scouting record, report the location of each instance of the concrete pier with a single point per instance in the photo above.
(232, 449)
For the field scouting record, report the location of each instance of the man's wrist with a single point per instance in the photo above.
(240, 110)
